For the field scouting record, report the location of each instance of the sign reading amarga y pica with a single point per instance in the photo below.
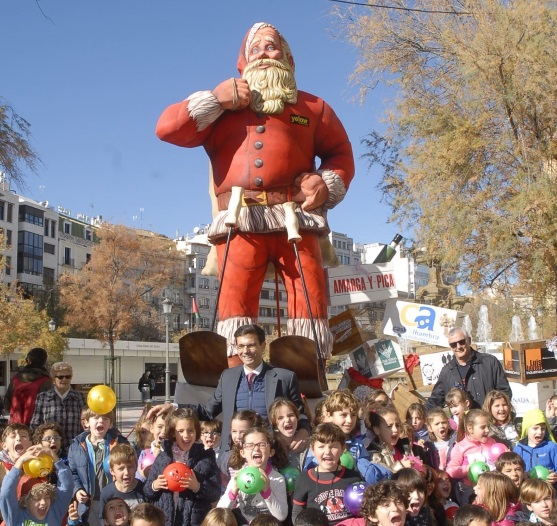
(349, 284)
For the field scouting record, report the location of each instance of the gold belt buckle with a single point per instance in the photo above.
(255, 199)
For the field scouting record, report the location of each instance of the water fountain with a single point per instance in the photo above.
(517, 334)
(532, 328)
(467, 324)
(483, 333)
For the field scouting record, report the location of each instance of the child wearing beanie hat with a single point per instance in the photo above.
(537, 446)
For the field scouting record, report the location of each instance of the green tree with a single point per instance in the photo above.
(15, 149)
(468, 151)
(112, 293)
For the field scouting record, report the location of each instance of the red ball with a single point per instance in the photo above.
(174, 473)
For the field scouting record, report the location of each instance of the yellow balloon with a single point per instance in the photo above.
(38, 467)
(101, 399)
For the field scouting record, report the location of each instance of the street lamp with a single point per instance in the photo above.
(167, 309)
(51, 325)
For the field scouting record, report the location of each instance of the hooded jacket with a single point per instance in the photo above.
(22, 392)
(545, 453)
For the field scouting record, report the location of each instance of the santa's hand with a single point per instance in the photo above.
(314, 189)
(233, 94)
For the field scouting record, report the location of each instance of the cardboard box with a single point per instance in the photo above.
(350, 329)
(377, 358)
(529, 361)
(531, 396)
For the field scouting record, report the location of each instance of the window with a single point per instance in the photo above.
(176, 322)
(48, 248)
(46, 227)
(8, 267)
(192, 282)
(68, 257)
(67, 228)
(31, 215)
(205, 323)
(9, 238)
(2, 210)
(88, 235)
(53, 229)
(204, 283)
(264, 295)
(87, 258)
(48, 276)
(202, 263)
(203, 303)
(9, 217)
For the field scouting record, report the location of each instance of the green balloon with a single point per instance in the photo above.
(290, 474)
(347, 460)
(250, 481)
(476, 469)
(539, 472)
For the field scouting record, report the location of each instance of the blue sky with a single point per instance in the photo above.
(93, 78)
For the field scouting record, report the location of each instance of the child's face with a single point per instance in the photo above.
(99, 426)
(389, 430)
(514, 472)
(39, 506)
(286, 421)
(52, 440)
(84, 423)
(479, 430)
(542, 508)
(327, 456)
(389, 513)
(116, 513)
(417, 499)
(210, 439)
(416, 421)
(444, 486)
(143, 522)
(157, 428)
(256, 450)
(345, 419)
(124, 473)
(500, 411)
(382, 399)
(458, 408)
(439, 427)
(237, 430)
(536, 434)
(16, 443)
(184, 434)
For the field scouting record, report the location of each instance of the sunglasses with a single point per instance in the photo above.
(64, 377)
(459, 342)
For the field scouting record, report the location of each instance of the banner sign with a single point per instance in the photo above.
(349, 284)
(422, 323)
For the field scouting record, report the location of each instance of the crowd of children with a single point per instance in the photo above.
(415, 473)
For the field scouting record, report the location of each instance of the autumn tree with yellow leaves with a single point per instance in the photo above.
(468, 152)
(113, 293)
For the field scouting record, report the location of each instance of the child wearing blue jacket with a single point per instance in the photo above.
(537, 446)
(88, 458)
(45, 503)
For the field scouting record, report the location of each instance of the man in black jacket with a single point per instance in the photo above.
(477, 373)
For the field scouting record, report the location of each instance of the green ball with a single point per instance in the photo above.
(476, 469)
(539, 472)
(250, 481)
(290, 474)
(347, 460)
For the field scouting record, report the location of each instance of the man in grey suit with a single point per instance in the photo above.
(253, 385)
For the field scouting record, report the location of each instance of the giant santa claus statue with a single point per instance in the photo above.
(263, 135)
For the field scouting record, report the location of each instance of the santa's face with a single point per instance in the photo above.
(266, 44)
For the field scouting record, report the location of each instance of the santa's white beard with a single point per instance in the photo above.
(271, 87)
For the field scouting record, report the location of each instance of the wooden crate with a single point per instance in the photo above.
(529, 361)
